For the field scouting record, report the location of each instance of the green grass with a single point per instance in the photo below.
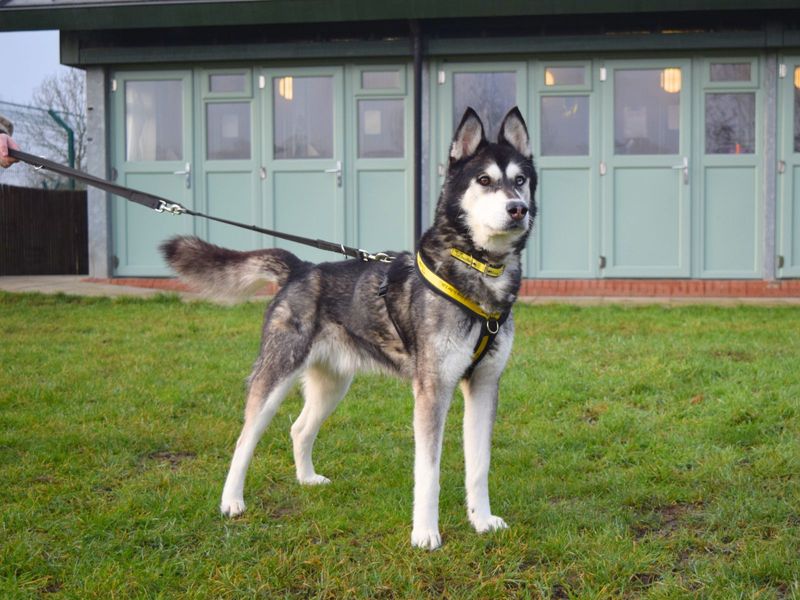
(639, 452)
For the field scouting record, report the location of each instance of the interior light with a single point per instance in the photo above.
(549, 78)
(285, 88)
(797, 77)
(671, 80)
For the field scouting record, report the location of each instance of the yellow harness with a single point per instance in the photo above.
(491, 321)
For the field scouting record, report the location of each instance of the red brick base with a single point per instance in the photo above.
(663, 288)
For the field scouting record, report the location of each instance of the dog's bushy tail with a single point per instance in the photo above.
(221, 272)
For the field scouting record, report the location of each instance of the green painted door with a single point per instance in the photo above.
(378, 170)
(564, 129)
(729, 153)
(153, 152)
(646, 168)
(229, 155)
(492, 89)
(788, 225)
(304, 156)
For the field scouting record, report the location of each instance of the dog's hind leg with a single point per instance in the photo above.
(323, 390)
(265, 394)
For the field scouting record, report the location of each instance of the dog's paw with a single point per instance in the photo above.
(314, 480)
(491, 523)
(429, 539)
(232, 508)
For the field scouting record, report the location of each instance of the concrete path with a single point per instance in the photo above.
(74, 285)
(78, 286)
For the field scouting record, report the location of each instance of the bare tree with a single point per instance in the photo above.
(62, 99)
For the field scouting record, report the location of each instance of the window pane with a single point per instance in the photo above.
(303, 114)
(565, 126)
(153, 120)
(380, 80)
(564, 76)
(380, 128)
(646, 114)
(730, 123)
(797, 110)
(228, 130)
(492, 95)
(227, 83)
(730, 72)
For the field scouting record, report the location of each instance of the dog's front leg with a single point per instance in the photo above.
(431, 402)
(480, 408)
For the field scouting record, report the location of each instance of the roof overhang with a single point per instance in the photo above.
(74, 15)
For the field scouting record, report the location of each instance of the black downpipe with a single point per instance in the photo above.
(416, 39)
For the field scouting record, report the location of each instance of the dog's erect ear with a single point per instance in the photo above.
(469, 135)
(514, 133)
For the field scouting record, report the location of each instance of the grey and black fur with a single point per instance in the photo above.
(329, 321)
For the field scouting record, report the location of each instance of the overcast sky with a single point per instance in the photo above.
(28, 58)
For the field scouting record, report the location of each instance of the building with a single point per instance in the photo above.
(666, 133)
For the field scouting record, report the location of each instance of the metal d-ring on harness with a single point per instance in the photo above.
(162, 205)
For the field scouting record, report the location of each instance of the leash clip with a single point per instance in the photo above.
(170, 207)
(377, 257)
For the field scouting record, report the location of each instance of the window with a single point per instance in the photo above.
(153, 120)
(380, 128)
(228, 130)
(303, 117)
(730, 123)
(647, 111)
(565, 125)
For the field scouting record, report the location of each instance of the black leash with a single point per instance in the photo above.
(161, 205)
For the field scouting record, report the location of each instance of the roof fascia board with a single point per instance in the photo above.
(109, 16)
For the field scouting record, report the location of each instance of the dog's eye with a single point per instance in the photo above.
(520, 180)
(484, 180)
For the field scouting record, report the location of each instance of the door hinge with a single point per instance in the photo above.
(603, 167)
(602, 262)
(262, 172)
(262, 82)
(603, 74)
(781, 167)
(441, 77)
(113, 85)
(781, 261)
(114, 174)
(440, 170)
(783, 70)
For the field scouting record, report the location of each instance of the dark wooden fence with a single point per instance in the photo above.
(43, 232)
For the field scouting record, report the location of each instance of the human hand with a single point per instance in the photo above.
(7, 142)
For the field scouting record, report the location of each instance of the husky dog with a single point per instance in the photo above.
(440, 318)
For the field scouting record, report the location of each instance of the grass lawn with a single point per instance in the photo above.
(639, 452)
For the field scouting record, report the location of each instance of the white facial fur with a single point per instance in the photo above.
(486, 214)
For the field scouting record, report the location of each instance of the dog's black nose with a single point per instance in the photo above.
(517, 210)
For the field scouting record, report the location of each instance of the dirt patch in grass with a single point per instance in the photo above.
(169, 458)
(663, 521)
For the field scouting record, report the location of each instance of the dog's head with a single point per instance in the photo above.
(489, 191)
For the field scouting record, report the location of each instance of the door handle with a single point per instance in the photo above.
(684, 166)
(188, 173)
(338, 172)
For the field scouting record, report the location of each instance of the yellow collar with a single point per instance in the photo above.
(451, 292)
(485, 268)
